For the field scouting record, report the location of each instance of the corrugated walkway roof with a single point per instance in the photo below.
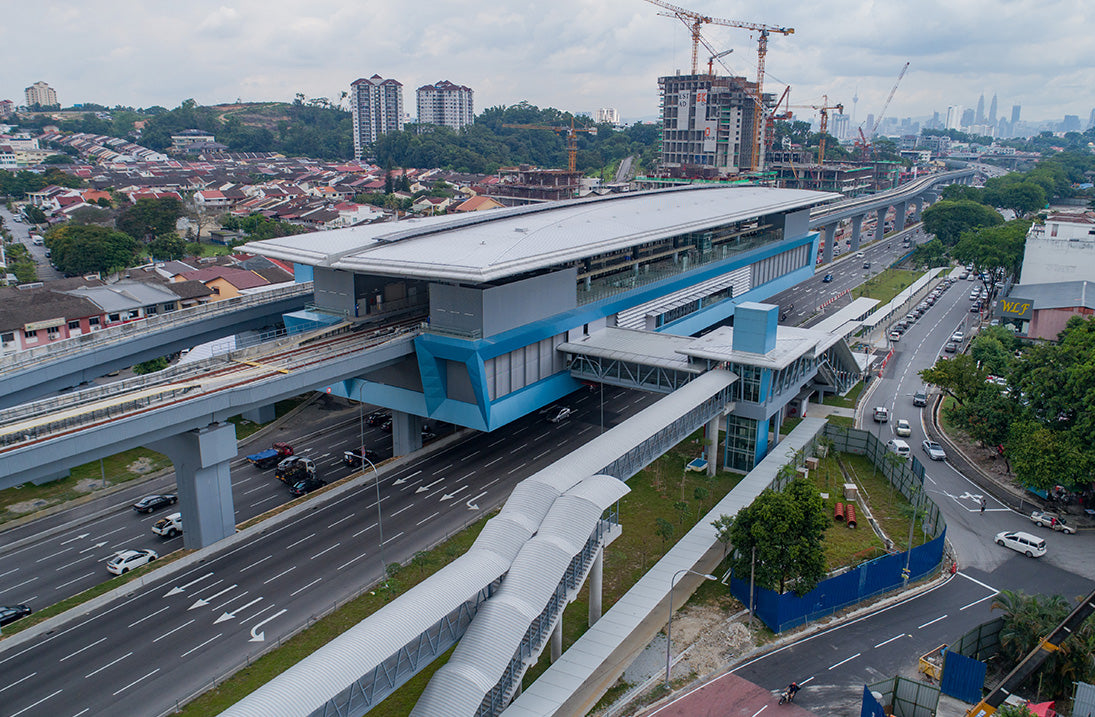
(494, 636)
(552, 693)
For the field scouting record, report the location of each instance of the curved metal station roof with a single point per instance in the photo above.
(500, 243)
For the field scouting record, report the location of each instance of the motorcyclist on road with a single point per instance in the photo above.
(792, 690)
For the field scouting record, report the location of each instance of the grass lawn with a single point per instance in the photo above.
(843, 545)
(886, 286)
(848, 401)
(890, 508)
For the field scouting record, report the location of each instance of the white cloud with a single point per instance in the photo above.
(572, 54)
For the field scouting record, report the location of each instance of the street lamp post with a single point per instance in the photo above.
(669, 625)
(376, 478)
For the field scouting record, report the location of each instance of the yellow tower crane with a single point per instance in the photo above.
(571, 133)
(695, 20)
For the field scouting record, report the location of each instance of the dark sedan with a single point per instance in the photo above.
(950, 347)
(151, 502)
(11, 613)
(827, 279)
(307, 485)
(352, 458)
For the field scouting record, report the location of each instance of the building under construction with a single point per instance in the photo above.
(531, 185)
(707, 125)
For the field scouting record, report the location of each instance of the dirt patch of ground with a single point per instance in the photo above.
(27, 506)
(713, 640)
(141, 466)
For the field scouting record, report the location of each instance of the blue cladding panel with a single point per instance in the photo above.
(870, 707)
(963, 677)
(302, 272)
(755, 327)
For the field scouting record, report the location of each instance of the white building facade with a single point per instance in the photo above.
(376, 105)
(445, 103)
(1063, 249)
(40, 94)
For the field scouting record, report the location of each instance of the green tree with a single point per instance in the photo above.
(987, 417)
(57, 159)
(78, 249)
(151, 366)
(931, 253)
(724, 524)
(167, 247)
(664, 530)
(785, 529)
(1043, 458)
(947, 220)
(34, 215)
(148, 218)
(996, 251)
(959, 377)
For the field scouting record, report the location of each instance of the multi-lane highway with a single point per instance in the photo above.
(169, 640)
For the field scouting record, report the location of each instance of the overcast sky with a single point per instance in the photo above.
(575, 55)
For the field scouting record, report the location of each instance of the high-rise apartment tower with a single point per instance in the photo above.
(376, 105)
(445, 103)
(41, 94)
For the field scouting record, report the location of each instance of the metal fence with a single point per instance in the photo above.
(902, 697)
(875, 577)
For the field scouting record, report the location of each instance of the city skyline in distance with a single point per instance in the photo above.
(572, 55)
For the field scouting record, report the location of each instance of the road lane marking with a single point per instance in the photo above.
(363, 531)
(253, 490)
(256, 563)
(400, 533)
(932, 622)
(351, 560)
(887, 642)
(136, 681)
(284, 572)
(114, 662)
(16, 714)
(192, 649)
(519, 448)
(202, 602)
(488, 465)
(340, 520)
(442, 469)
(264, 500)
(73, 654)
(402, 509)
(230, 600)
(300, 590)
(261, 636)
(70, 582)
(325, 550)
(849, 659)
(424, 520)
(83, 711)
(15, 569)
(81, 536)
(498, 442)
(170, 632)
(541, 455)
(257, 614)
(182, 588)
(975, 602)
(19, 585)
(293, 545)
(165, 607)
(13, 684)
(517, 468)
(53, 555)
(117, 530)
(973, 580)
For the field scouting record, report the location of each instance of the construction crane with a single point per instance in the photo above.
(824, 110)
(571, 134)
(1050, 644)
(716, 56)
(865, 140)
(695, 20)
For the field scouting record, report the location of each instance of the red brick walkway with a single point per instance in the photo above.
(727, 696)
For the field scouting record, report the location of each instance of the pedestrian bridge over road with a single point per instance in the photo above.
(506, 595)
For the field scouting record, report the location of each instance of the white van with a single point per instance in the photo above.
(1029, 545)
(898, 446)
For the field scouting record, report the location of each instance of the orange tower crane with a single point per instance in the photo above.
(695, 20)
(571, 133)
(824, 109)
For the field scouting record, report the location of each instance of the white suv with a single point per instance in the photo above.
(126, 560)
(1029, 545)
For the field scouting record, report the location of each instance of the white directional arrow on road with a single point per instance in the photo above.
(232, 615)
(260, 636)
(424, 488)
(202, 602)
(176, 590)
(404, 479)
(472, 505)
(78, 537)
(93, 547)
(450, 496)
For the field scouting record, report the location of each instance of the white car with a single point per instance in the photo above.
(934, 450)
(563, 413)
(126, 560)
(957, 337)
(1029, 545)
(903, 428)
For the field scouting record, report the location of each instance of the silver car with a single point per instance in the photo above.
(934, 450)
